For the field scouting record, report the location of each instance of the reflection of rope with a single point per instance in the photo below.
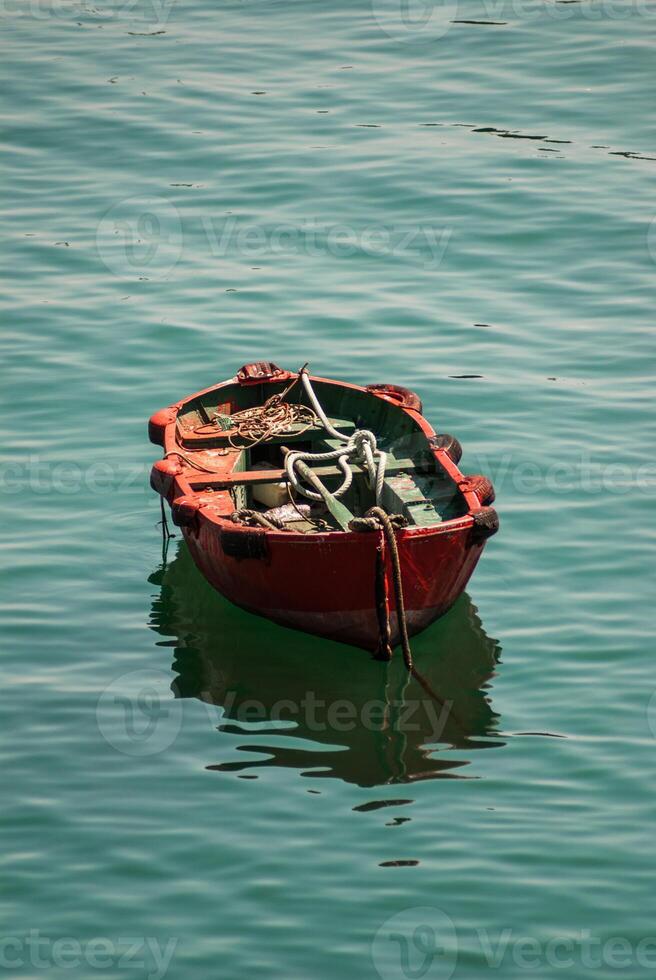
(376, 518)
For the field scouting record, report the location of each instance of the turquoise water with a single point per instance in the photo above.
(464, 209)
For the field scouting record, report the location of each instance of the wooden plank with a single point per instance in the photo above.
(410, 495)
(250, 477)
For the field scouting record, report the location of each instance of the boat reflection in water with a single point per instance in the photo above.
(323, 708)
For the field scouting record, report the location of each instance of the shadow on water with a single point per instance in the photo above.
(323, 708)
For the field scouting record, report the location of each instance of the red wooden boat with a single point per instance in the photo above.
(270, 474)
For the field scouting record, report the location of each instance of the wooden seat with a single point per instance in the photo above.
(250, 477)
(407, 493)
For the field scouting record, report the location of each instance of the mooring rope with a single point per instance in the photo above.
(378, 519)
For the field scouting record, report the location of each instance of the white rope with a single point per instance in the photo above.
(360, 448)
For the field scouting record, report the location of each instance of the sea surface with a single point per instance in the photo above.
(458, 198)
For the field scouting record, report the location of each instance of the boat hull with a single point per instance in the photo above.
(325, 584)
(328, 584)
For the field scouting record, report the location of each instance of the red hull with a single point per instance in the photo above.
(322, 583)
(325, 584)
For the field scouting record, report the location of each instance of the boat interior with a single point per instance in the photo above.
(415, 484)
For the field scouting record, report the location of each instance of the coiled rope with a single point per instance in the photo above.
(247, 516)
(359, 448)
(272, 522)
(255, 425)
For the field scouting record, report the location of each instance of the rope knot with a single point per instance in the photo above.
(360, 441)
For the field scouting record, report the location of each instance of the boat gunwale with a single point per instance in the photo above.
(207, 512)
